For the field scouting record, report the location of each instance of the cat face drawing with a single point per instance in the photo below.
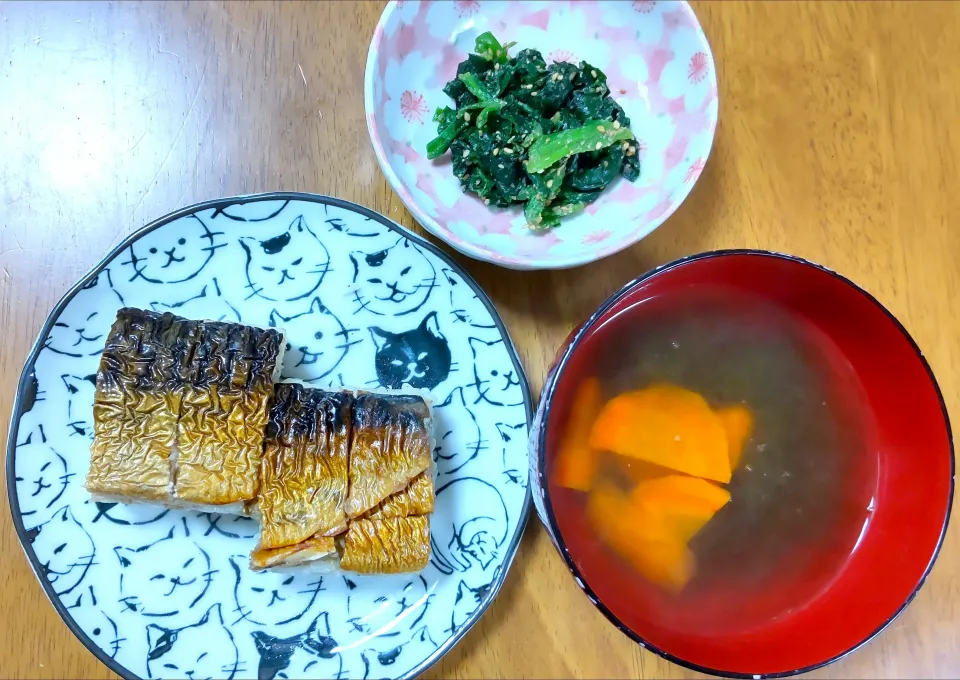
(468, 541)
(317, 341)
(402, 606)
(163, 578)
(286, 266)
(64, 550)
(174, 254)
(208, 304)
(419, 357)
(204, 650)
(266, 598)
(494, 379)
(458, 435)
(393, 282)
(42, 478)
(82, 326)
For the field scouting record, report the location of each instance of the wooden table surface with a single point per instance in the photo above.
(838, 141)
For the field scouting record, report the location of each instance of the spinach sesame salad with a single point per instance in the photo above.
(548, 137)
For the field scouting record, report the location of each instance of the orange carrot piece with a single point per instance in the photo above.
(683, 505)
(668, 426)
(576, 463)
(738, 424)
(650, 547)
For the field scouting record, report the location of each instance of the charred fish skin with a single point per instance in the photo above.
(305, 463)
(172, 396)
(386, 546)
(416, 499)
(226, 396)
(392, 444)
(137, 404)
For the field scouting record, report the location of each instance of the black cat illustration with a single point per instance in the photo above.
(64, 549)
(317, 341)
(174, 254)
(420, 357)
(303, 654)
(494, 379)
(473, 532)
(268, 598)
(163, 578)
(209, 303)
(458, 434)
(395, 281)
(42, 477)
(80, 329)
(286, 266)
(204, 650)
(250, 211)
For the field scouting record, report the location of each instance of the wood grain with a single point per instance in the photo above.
(836, 142)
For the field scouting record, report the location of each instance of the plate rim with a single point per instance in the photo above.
(28, 372)
(470, 250)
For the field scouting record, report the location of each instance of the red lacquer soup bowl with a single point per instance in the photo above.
(826, 607)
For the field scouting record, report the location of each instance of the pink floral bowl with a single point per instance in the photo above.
(659, 68)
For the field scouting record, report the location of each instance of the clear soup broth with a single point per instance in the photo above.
(801, 492)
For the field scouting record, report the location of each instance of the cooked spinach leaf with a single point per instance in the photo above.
(522, 132)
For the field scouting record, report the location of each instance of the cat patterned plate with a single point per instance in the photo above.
(160, 593)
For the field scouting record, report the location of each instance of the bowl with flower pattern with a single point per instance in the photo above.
(660, 71)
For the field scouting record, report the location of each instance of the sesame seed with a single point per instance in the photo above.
(593, 73)
(535, 93)
(496, 152)
(496, 67)
(466, 117)
(507, 149)
(605, 164)
(625, 145)
(528, 86)
(616, 125)
(500, 165)
(630, 151)
(487, 201)
(599, 145)
(600, 128)
(466, 152)
(549, 183)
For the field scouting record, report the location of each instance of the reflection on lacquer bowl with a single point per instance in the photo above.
(839, 480)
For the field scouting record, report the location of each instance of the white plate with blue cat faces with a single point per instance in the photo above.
(157, 593)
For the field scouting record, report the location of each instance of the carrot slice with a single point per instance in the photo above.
(576, 464)
(738, 424)
(656, 552)
(668, 426)
(681, 504)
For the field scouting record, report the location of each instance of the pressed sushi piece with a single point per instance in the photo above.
(180, 410)
(386, 546)
(137, 405)
(303, 478)
(224, 413)
(416, 499)
(316, 549)
(392, 443)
